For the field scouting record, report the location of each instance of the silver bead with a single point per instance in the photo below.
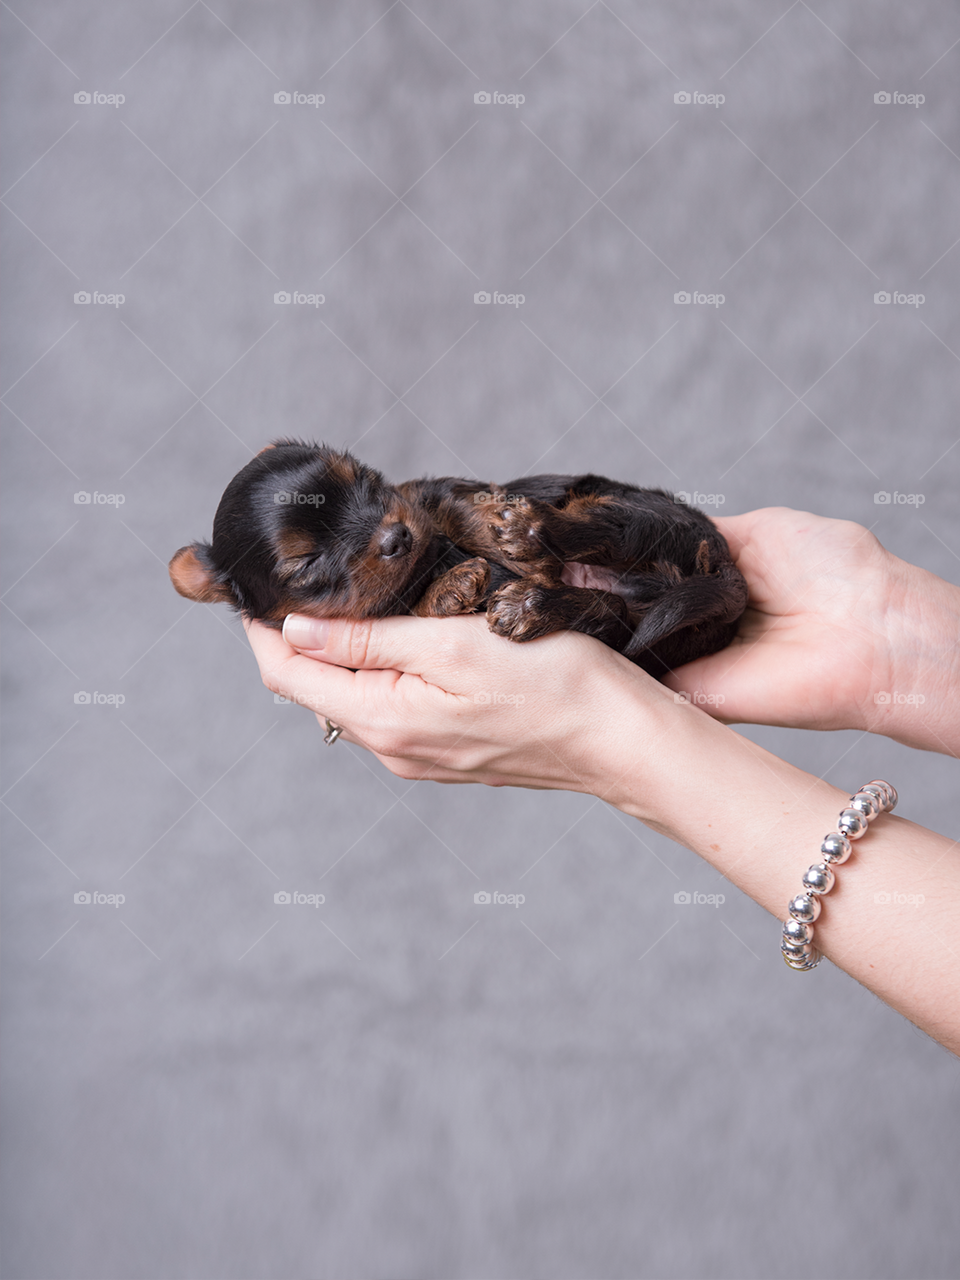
(836, 848)
(866, 803)
(797, 933)
(851, 824)
(801, 958)
(805, 906)
(891, 793)
(878, 789)
(819, 878)
(795, 950)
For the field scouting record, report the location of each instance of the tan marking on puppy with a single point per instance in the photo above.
(192, 579)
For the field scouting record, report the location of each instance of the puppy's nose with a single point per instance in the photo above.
(395, 540)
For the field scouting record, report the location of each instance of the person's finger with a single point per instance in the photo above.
(742, 684)
(395, 644)
(268, 645)
(320, 688)
(737, 530)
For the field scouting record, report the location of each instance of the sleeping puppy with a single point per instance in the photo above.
(305, 529)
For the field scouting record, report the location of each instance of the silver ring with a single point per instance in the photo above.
(333, 732)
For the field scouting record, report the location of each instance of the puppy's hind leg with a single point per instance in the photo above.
(523, 611)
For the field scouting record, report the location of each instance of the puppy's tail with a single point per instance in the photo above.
(693, 618)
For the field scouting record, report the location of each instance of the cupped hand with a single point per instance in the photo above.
(446, 700)
(815, 643)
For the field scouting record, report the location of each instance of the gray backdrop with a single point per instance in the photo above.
(600, 1083)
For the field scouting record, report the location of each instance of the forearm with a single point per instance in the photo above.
(760, 822)
(583, 718)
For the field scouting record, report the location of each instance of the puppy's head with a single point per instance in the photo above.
(305, 529)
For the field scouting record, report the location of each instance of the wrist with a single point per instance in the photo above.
(917, 699)
(734, 804)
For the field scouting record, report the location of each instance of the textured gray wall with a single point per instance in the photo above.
(203, 1085)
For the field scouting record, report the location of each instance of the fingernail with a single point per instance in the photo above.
(305, 633)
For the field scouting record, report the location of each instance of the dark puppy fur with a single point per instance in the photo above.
(305, 529)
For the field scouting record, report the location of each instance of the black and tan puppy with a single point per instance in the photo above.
(305, 529)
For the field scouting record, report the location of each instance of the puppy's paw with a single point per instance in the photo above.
(516, 528)
(460, 590)
(518, 611)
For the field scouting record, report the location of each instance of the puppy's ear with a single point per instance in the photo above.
(192, 575)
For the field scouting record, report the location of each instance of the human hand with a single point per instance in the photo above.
(563, 712)
(834, 620)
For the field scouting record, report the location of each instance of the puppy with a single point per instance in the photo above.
(305, 529)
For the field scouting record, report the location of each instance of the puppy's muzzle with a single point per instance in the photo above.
(396, 540)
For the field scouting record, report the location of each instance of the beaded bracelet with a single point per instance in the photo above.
(869, 802)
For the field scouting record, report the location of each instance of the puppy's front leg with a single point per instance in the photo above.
(462, 589)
